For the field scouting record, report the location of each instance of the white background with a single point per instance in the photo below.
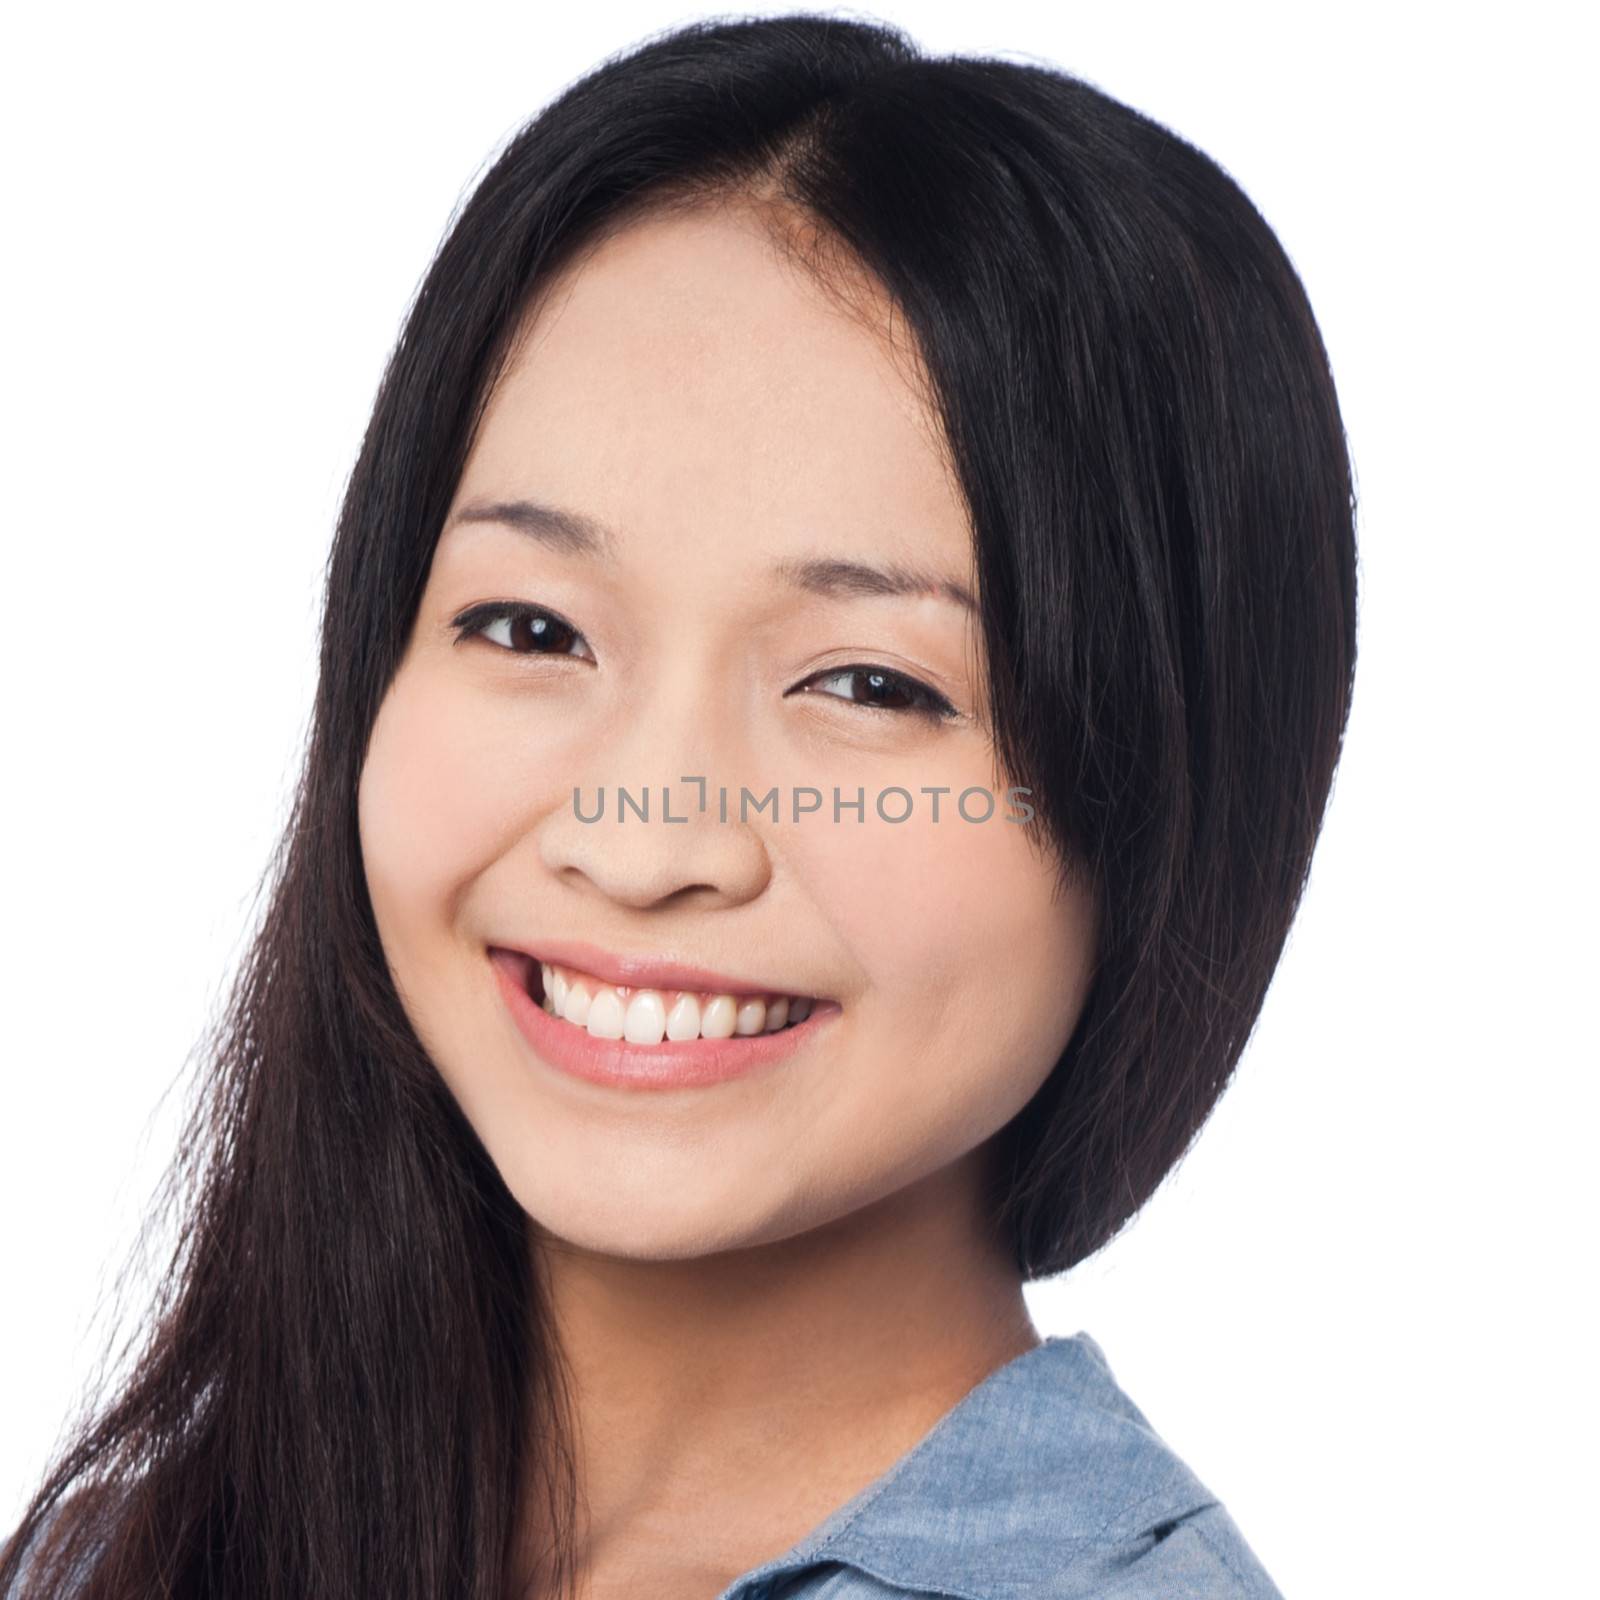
(1357, 1308)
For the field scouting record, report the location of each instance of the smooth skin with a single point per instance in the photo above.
(768, 1289)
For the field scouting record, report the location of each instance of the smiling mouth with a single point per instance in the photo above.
(646, 1016)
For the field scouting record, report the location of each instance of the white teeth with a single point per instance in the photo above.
(605, 1015)
(575, 1003)
(718, 1017)
(646, 1019)
(646, 1016)
(683, 1021)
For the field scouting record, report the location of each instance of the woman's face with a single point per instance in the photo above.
(723, 422)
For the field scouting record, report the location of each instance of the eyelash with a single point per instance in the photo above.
(929, 702)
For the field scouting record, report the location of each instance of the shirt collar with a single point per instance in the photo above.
(1014, 1494)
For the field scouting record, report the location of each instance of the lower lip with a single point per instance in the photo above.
(672, 1064)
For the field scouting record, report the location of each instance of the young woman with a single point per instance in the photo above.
(834, 656)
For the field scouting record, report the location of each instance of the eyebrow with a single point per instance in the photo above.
(573, 533)
(568, 531)
(839, 578)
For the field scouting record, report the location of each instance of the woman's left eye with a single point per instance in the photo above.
(885, 691)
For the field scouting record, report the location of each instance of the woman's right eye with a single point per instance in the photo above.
(522, 630)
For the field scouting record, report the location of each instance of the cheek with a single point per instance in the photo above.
(436, 801)
(975, 967)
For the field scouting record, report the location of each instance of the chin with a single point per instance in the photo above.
(636, 1226)
(645, 1238)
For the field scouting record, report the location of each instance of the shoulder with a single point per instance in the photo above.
(1155, 1529)
(1198, 1556)
(1201, 1555)
(1164, 1533)
(1047, 1483)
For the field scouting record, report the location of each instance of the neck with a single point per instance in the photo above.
(725, 1405)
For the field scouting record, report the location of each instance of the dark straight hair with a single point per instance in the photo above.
(350, 1375)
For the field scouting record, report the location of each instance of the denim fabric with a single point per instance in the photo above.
(1045, 1482)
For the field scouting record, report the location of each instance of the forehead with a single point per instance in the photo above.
(689, 378)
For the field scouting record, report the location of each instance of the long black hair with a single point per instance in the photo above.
(350, 1376)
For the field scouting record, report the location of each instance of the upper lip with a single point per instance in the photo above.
(646, 972)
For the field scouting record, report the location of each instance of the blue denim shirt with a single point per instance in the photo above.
(1045, 1482)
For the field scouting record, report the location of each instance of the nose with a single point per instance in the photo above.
(682, 853)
